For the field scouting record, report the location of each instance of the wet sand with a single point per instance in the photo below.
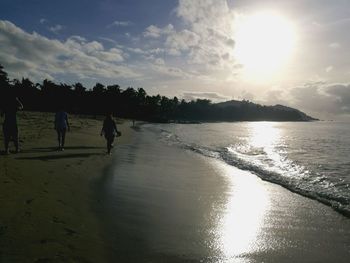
(46, 196)
(159, 203)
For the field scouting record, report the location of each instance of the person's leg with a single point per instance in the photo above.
(16, 139)
(108, 145)
(63, 139)
(59, 138)
(6, 140)
(112, 140)
(109, 139)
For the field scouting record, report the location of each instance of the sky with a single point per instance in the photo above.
(294, 53)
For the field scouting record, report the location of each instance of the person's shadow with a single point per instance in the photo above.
(54, 149)
(60, 156)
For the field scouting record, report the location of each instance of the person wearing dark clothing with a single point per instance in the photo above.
(9, 127)
(109, 130)
(61, 127)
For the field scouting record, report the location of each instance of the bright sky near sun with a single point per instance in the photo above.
(265, 41)
(292, 52)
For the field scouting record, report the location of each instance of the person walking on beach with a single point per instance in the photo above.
(109, 130)
(61, 127)
(10, 127)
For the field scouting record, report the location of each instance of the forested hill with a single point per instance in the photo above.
(257, 111)
(135, 103)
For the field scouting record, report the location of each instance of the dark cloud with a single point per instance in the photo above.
(342, 94)
(320, 99)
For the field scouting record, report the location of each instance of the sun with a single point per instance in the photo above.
(264, 43)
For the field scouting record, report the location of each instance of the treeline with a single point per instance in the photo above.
(131, 103)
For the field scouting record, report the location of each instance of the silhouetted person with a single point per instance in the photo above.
(109, 130)
(61, 127)
(9, 127)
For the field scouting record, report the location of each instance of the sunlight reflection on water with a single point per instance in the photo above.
(263, 134)
(243, 216)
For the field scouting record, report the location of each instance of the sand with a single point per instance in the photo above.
(46, 196)
(161, 203)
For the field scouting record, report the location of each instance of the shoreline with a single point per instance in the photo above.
(334, 203)
(188, 207)
(48, 195)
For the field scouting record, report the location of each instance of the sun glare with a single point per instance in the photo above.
(264, 42)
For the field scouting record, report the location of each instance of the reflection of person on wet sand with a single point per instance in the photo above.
(61, 127)
(10, 128)
(109, 130)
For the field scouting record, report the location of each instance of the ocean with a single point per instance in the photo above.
(192, 193)
(309, 158)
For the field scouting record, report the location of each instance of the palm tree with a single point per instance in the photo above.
(113, 89)
(98, 88)
(79, 88)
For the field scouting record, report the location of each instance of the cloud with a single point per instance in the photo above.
(205, 37)
(276, 96)
(183, 40)
(197, 49)
(107, 39)
(55, 29)
(213, 96)
(334, 45)
(37, 57)
(169, 72)
(152, 31)
(320, 99)
(43, 21)
(119, 24)
(342, 94)
(329, 69)
(159, 61)
(201, 11)
(317, 98)
(211, 25)
(155, 32)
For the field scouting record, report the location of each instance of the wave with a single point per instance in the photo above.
(272, 167)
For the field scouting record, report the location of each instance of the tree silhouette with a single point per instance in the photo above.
(79, 88)
(4, 81)
(136, 104)
(98, 88)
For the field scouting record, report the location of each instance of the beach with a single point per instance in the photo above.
(46, 196)
(150, 201)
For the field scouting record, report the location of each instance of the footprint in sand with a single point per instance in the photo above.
(70, 232)
(2, 230)
(62, 202)
(57, 220)
(43, 260)
(28, 213)
(29, 201)
(47, 240)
